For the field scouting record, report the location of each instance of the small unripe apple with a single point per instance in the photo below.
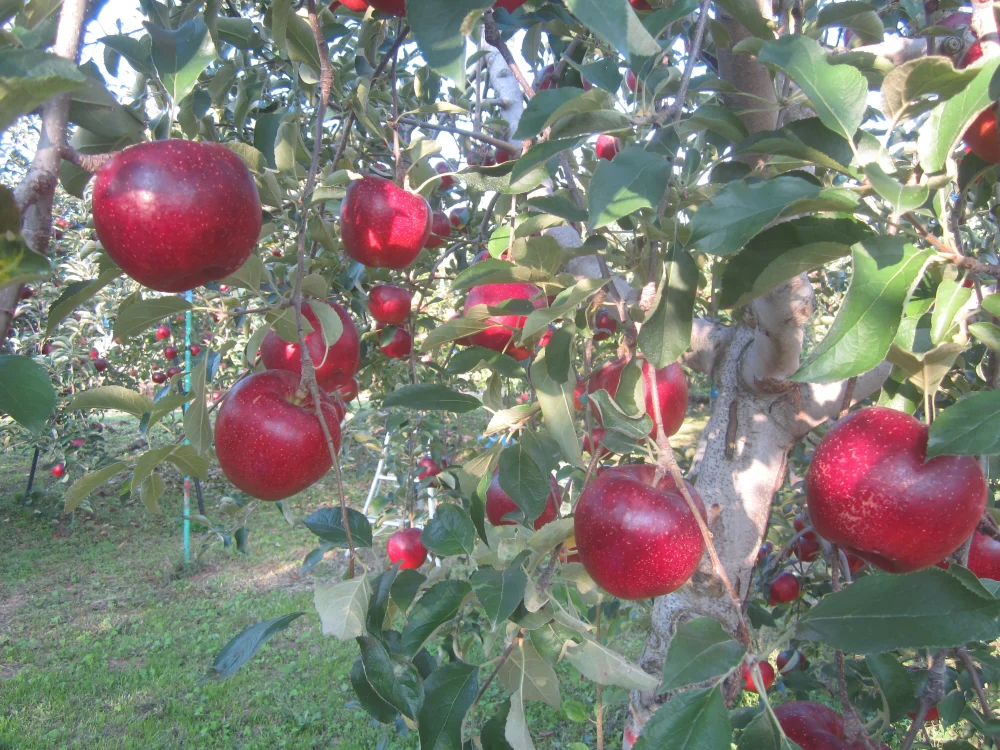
(406, 548)
(503, 328)
(170, 352)
(399, 346)
(605, 326)
(59, 471)
(390, 305)
(382, 225)
(499, 504)
(100, 364)
(766, 673)
(163, 332)
(668, 382)
(784, 589)
(607, 147)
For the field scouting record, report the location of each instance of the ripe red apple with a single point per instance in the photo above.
(981, 136)
(382, 225)
(440, 230)
(47, 347)
(766, 673)
(195, 350)
(100, 364)
(509, 5)
(670, 384)
(640, 4)
(170, 352)
(854, 563)
(176, 214)
(499, 504)
(502, 155)
(811, 725)
(59, 471)
(784, 589)
(78, 442)
(607, 147)
(594, 441)
(358, 6)
(604, 325)
(267, 437)
(159, 378)
(503, 328)
(806, 547)
(171, 371)
(790, 660)
(870, 492)
(581, 388)
(392, 7)
(631, 82)
(163, 332)
(406, 548)
(430, 468)
(341, 359)
(399, 346)
(447, 182)
(345, 387)
(984, 556)
(637, 540)
(26, 293)
(390, 304)
(765, 549)
(94, 354)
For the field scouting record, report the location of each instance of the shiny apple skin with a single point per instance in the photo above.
(176, 214)
(671, 385)
(389, 304)
(870, 492)
(499, 335)
(268, 445)
(607, 147)
(406, 548)
(399, 346)
(382, 225)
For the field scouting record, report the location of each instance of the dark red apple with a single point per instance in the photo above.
(47, 347)
(195, 350)
(631, 82)
(806, 547)
(26, 293)
(594, 441)
(159, 378)
(406, 548)
(163, 332)
(640, 4)
(170, 352)
(345, 387)
(430, 468)
(790, 660)
(766, 673)
(399, 346)
(176, 214)
(984, 556)
(870, 491)
(581, 388)
(100, 364)
(440, 230)
(812, 725)
(637, 540)
(503, 328)
(94, 354)
(607, 147)
(784, 589)
(391, 7)
(78, 442)
(267, 437)
(502, 155)
(59, 471)
(670, 384)
(390, 304)
(499, 504)
(765, 549)
(171, 371)
(382, 225)
(340, 360)
(447, 182)
(509, 5)
(605, 326)
(358, 6)
(854, 563)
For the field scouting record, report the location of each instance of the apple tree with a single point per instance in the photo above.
(556, 217)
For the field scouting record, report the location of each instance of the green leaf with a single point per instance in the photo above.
(567, 300)
(26, 392)
(439, 28)
(970, 427)
(328, 524)
(605, 667)
(136, 318)
(181, 55)
(693, 720)
(540, 111)
(197, 425)
(807, 140)
(988, 333)
(948, 121)
(88, 483)
(448, 694)
(370, 700)
(330, 324)
(395, 682)
(432, 397)
(135, 51)
(558, 408)
(666, 334)
(378, 609)
(456, 328)
(240, 649)
(29, 77)
(516, 732)
(74, 295)
(343, 607)
(616, 23)
(500, 592)
(931, 608)
(636, 179)
(18, 263)
(894, 682)
(859, 17)
(782, 252)
(188, 461)
(438, 604)
(700, 651)
(741, 210)
(524, 481)
(933, 76)
(527, 671)
(113, 397)
(249, 275)
(886, 269)
(747, 12)
(763, 733)
(450, 532)
(838, 93)
(950, 298)
(622, 432)
(901, 197)
(405, 587)
(493, 271)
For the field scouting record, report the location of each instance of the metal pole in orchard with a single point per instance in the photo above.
(187, 388)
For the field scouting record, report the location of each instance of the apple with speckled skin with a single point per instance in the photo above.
(503, 328)
(766, 673)
(390, 304)
(382, 225)
(406, 548)
(499, 504)
(607, 147)
(176, 214)
(783, 589)
(671, 385)
(812, 725)
(637, 539)
(399, 346)
(267, 437)
(984, 556)
(870, 491)
(333, 363)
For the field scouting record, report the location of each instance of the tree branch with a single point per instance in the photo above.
(496, 41)
(779, 317)
(496, 142)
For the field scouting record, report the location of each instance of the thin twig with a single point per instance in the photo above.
(496, 41)
(503, 660)
(497, 142)
(977, 685)
(932, 694)
(693, 53)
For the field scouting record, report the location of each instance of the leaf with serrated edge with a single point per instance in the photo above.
(605, 667)
(527, 671)
(88, 483)
(343, 607)
(701, 650)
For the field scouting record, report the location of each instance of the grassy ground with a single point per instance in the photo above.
(105, 637)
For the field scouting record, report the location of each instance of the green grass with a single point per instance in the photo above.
(105, 637)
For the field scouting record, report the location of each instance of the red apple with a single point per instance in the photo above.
(766, 673)
(358, 6)
(170, 352)
(392, 7)
(195, 350)
(459, 217)
(594, 441)
(607, 147)
(26, 293)
(791, 660)
(870, 491)
(854, 563)
(406, 548)
(390, 304)
(430, 468)
(637, 540)
(806, 547)
(641, 5)
(159, 378)
(382, 225)
(605, 326)
(59, 471)
(784, 589)
(981, 137)
(163, 332)
(47, 347)
(341, 359)
(267, 437)
(811, 725)
(399, 346)
(502, 155)
(345, 387)
(176, 214)
(631, 82)
(509, 5)
(581, 388)
(440, 230)
(78, 442)
(447, 182)
(670, 384)
(171, 371)
(100, 364)
(984, 556)
(499, 504)
(503, 328)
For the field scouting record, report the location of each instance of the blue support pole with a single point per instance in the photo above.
(187, 388)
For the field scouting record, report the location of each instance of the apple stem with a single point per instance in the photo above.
(503, 660)
(599, 707)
